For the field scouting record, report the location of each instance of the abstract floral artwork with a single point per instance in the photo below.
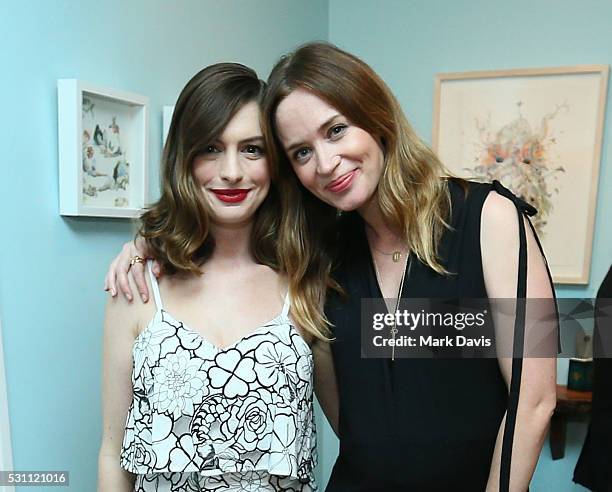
(522, 157)
(538, 131)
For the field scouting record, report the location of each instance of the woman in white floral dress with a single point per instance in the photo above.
(210, 387)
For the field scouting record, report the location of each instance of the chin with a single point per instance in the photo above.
(353, 200)
(231, 221)
(231, 216)
(347, 207)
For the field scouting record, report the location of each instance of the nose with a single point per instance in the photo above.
(327, 161)
(230, 169)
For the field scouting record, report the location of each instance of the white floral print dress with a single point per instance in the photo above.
(232, 419)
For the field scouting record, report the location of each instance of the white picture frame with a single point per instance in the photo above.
(102, 150)
(168, 111)
(538, 131)
(6, 451)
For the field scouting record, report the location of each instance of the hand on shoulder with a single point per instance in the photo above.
(116, 278)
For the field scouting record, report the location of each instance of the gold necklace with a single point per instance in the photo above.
(396, 255)
(407, 266)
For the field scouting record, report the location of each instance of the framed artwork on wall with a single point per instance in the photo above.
(102, 150)
(539, 132)
(168, 111)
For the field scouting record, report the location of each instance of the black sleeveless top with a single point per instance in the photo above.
(415, 424)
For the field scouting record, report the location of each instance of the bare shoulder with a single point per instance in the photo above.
(499, 244)
(499, 213)
(276, 282)
(133, 316)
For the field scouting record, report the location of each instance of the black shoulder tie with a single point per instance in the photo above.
(523, 209)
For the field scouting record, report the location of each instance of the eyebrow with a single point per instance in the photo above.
(254, 138)
(320, 129)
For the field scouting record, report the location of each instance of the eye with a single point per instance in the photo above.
(499, 159)
(336, 130)
(301, 154)
(253, 150)
(211, 149)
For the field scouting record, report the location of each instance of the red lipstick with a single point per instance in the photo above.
(231, 195)
(342, 183)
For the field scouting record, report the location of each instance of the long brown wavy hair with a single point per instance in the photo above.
(413, 197)
(177, 226)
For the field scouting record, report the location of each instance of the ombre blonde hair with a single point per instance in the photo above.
(412, 194)
(176, 228)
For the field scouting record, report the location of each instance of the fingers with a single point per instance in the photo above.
(109, 281)
(156, 267)
(138, 273)
(117, 276)
(140, 246)
(141, 249)
(122, 269)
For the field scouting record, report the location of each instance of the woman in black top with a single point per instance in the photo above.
(404, 424)
(417, 424)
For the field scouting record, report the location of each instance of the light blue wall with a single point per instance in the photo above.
(51, 298)
(407, 42)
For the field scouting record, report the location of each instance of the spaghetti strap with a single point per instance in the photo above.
(286, 305)
(154, 286)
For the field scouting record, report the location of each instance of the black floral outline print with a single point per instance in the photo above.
(203, 416)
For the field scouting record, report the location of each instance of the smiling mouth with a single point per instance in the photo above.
(342, 183)
(231, 195)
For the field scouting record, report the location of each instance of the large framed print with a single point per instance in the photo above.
(539, 132)
(102, 150)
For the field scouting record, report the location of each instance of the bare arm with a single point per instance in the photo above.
(120, 328)
(500, 246)
(326, 387)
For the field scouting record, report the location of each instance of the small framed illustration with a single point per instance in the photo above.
(539, 132)
(102, 150)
